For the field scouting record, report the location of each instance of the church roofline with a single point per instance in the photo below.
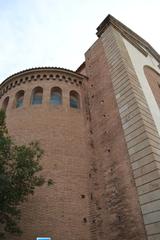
(127, 33)
(36, 69)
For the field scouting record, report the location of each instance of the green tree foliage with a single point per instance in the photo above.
(19, 168)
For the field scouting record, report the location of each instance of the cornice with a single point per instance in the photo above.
(36, 69)
(39, 74)
(127, 33)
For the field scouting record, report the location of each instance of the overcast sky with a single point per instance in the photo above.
(36, 33)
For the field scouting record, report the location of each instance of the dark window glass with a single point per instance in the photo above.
(19, 102)
(5, 103)
(37, 96)
(74, 100)
(56, 96)
(19, 99)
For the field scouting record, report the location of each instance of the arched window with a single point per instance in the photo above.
(5, 103)
(19, 98)
(37, 96)
(74, 100)
(56, 96)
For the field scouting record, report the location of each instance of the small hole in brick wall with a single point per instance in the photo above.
(91, 85)
(104, 115)
(93, 221)
(92, 144)
(91, 132)
(92, 96)
(95, 169)
(119, 218)
(91, 196)
(102, 101)
(90, 175)
(82, 196)
(84, 220)
(108, 150)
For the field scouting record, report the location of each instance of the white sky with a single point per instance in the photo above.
(36, 33)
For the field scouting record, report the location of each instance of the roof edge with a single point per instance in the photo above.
(41, 69)
(103, 25)
(82, 66)
(126, 32)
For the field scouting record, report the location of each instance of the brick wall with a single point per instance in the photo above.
(115, 210)
(60, 210)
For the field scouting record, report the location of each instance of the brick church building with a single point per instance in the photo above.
(99, 127)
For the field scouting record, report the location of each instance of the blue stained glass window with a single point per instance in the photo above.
(37, 99)
(43, 238)
(56, 96)
(37, 96)
(74, 100)
(19, 102)
(19, 99)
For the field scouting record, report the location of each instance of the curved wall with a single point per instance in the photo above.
(59, 211)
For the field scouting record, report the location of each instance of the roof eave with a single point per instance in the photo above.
(126, 33)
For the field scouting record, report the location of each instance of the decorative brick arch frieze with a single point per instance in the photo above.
(54, 126)
(41, 74)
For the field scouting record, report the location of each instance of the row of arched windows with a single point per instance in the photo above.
(37, 98)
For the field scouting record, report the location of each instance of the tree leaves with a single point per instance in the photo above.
(19, 168)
